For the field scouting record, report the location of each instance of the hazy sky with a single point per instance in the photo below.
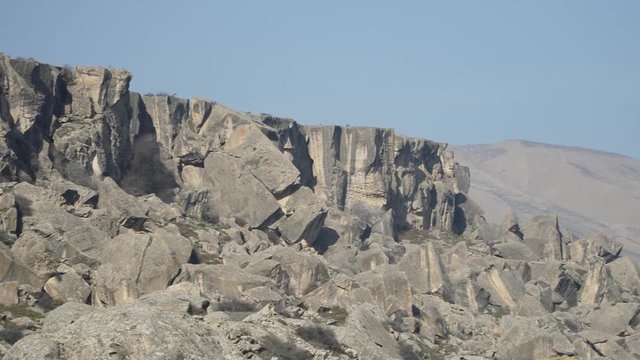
(463, 72)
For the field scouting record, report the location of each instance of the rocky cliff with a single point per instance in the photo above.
(159, 227)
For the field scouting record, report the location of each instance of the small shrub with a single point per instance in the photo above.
(320, 336)
(407, 352)
(235, 305)
(20, 311)
(499, 312)
(284, 350)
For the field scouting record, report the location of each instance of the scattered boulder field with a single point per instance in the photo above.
(153, 227)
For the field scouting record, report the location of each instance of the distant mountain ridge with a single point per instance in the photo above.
(592, 191)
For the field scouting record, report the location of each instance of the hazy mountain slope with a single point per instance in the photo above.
(592, 191)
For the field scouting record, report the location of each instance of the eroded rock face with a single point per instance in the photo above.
(368, 171)
(180, 228)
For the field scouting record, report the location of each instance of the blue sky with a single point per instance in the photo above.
(463, 72)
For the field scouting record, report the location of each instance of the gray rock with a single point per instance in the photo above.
(262, 159)
(624, 273)
(306, 271)
(65, 315)
(425, 272)
(614, 319)
(304, 219)
(543, 236)
(227, 280)
(346, 158)
(13, 270)
(137, 331)
(524, 339)
(67, 286)
(130, 212)
(514, 250)
(366, 334)
(253, 205)
(9, 293)
(598, 245)
(504, 286)
(136, 264)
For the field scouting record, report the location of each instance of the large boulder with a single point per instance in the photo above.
(227, 280)
(263, 159)
(128, 211)
(134, 264)
(425, 271)
(306, 271)
(52, 232)
(386, 287)
(13, 270)
(525, 339)
(236, 192)
(304, 217)
(67, 286)
(136, 331)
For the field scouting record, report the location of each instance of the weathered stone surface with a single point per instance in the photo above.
(68, 236)
(138, 331)
(306, 272)
(138, 263)
(341, 291)
(38, 253)
(624, 272)
(523, 339)
(363, 169)
(598, 245)
(364, 330)
(271, 167)
(9, 293)
(304, 219)
(595, 283)
(389, 288)
(514, 250)
(8, 218)
(65, 315)
(253, 205)
(126, 207)
(227, 280)
(424, 271)
(67, 286)
(505, 288)
(613, 319)
(12, 270)
(542, 235)
(511, 228)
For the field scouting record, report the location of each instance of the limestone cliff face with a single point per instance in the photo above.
(84, 124)
(75, 120)
(369, 171)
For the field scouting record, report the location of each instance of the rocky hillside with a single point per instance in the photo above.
(154, 227)
(592, 191)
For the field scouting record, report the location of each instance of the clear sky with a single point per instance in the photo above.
(463, 72)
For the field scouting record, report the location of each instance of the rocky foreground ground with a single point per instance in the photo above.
(154, 227)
